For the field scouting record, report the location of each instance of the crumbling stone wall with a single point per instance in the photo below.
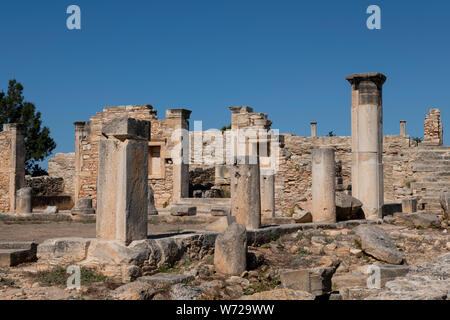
(45, 185)
(433, 130)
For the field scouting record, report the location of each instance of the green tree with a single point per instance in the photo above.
(38, 143)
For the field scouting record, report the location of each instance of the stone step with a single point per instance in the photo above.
(15, 253)
(420, 167)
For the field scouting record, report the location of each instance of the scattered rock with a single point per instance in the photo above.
(376, 242)
(138, 290)
(316, 281)
(348, 207)
(280, 294)
(417, 220)
(183, 292)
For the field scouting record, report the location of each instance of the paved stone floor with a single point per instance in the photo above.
(40, 231)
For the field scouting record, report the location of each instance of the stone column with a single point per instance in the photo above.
(313, 129)
(323, 186)
(81, 132)
(122, 184)
(367, 141)
(23, 200)
(245, 192)
(267, 184)
(403, 128)
(178, 121)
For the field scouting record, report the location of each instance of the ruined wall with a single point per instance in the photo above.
(63, 166)
(433, 130)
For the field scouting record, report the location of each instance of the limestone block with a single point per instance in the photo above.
(417, 220)
(348, 207)
(15, 253)
(63, 250)
(181, 210)
(23, 200)
(230, 254)
(220, 211)
(377, 243)
(51, 210)
(409, 205)
(127, 128)
(316, 281)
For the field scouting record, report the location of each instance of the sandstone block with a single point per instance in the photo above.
(127, 128)
(230, 255)
(180, 210)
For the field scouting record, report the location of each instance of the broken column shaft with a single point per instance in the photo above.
(323, 186)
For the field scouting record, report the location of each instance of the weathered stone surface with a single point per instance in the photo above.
(82, 207)
(221, 224)
(409, 205)
(220, 211)
(418, 220)
(63, 250)
(377, 243)
(51, 210)
(230, 255)
(166, 279)
(445, 204)
(427, 281)
(302, 217)
(15, 253)
(280, 294)
(138, 290)
(151, 202)
(23, 200)
(127, 128)
(348, 207)
(316, 281)
(185, 292)
(181, 210)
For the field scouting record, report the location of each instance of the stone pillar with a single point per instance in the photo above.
(433, 130)
(323, 186)
(122, 183)
(267, 182)
(245, 192)
(12, 165)
(313, 129)
(81, 132)
(403, 128)
(367, 141)
(23, 200)
(178, 121)
(151, 202)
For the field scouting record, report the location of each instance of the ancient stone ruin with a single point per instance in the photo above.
(244, 212)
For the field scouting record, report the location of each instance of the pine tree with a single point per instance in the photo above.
(38, 143)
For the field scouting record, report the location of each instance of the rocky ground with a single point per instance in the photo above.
(412, 254)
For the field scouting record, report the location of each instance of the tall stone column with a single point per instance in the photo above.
(122, 183)
(178, 122)
(367, 141)
(313, 129)
(403, 128)
(245, 192)
(267, 184)
(323, 186)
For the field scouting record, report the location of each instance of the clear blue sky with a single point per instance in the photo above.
(286, 58)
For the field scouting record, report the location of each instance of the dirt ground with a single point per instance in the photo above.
(40, 231)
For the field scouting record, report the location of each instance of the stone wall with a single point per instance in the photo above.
(63, 166)
(5, 156)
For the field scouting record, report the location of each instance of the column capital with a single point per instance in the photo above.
(376, 77)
